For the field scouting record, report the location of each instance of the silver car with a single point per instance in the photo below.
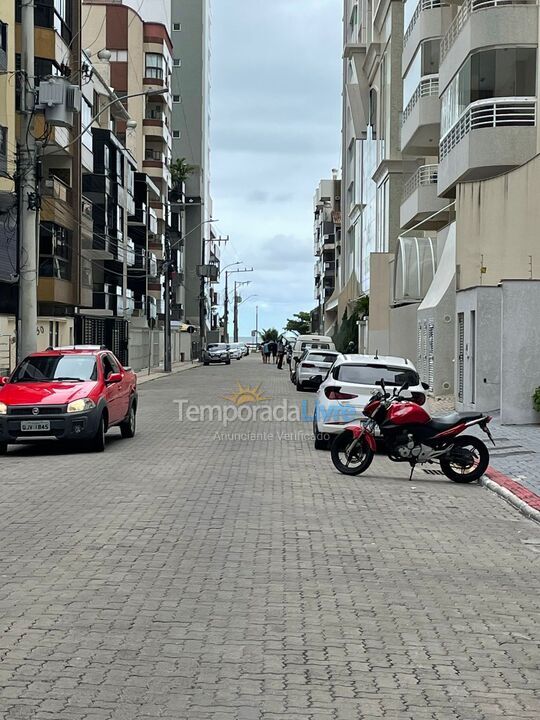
(314, 363)
(217, 353)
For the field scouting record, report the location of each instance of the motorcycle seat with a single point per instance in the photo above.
(445, 422)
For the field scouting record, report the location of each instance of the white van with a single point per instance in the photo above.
(312, 342)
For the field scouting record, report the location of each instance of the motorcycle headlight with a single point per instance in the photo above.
(81, 405)
(3, 409)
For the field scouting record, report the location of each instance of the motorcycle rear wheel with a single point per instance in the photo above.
(356, 463)
(460, 471)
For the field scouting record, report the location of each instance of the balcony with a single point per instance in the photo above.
(487, 23)
(156, 164)
(430, 20)
(421, 119)
(156, 127)
(57, 204)
(420, 200)
(329, 269)
(107, 298)
(139, 217)
(87, 220)
(489, 138)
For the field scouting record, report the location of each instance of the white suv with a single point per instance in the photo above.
(346, 389)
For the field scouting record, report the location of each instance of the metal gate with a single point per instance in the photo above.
(110, 332)
(461, 355)
(431, 353)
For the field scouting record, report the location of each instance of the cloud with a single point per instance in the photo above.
(276, 120)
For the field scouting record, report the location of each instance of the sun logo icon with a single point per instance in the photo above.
(246, 395)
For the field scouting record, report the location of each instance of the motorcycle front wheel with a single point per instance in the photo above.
(351, 460)
(467, 461)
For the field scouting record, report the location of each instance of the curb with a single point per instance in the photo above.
(518, 496)
(161, 375)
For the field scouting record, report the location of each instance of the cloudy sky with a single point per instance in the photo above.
(276, 105)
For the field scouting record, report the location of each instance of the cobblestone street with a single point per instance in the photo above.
(196, 574)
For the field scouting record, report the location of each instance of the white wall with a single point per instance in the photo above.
(520, 361)
(481, 309)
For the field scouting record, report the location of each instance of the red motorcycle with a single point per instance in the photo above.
(409, 434)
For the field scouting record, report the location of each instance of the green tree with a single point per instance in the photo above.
(180, 171)
(348, 330)
(270, 334)
(299, 323)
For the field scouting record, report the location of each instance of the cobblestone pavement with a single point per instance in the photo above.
(517, 451)
(186, 575)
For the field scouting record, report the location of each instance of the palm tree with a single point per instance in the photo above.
(270, 334)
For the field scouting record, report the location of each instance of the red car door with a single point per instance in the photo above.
(123, 388)
(111, 390)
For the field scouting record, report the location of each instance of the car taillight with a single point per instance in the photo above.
(334, 393)
(308, 365)
(418, 398)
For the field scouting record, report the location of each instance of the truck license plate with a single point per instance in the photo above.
(36, 426)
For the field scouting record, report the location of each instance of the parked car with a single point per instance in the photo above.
(75, 393)
(217, 353)
(236, 350)
(346, 390)
(315, 342)
(314, 363)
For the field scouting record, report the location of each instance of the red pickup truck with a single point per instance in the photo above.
(74, 393)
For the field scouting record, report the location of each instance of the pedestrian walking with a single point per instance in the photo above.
(280, 353)
(273, 350)
(266, 352)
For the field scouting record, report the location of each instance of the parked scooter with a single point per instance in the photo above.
(409, 434)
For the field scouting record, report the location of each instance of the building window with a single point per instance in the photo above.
(119, 56)
(176, 99)
(177, 62)
(176, 134)
(502, 72)
(86, 120)
(155, 64)
(3, 150)
(54, 251)
(177, 26)
(3, 46)
(373, 113)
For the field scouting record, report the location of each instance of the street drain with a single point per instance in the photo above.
(433, 472)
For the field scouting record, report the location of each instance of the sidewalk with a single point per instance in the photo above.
(514, 473)
(143, 376)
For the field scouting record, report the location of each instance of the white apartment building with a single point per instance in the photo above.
(326, 242)
(468, 179)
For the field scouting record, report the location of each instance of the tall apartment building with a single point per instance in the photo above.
(467, 125)
(8, 210)
(327, 238)
(372, 164)
(60, 266)
(190, 32)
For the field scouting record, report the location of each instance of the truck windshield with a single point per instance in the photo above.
(44, 368)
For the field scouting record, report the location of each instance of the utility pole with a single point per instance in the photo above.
(226, 309)
(226, 299)
(256, 324)
(28, 194)
(202, 288)
(167, 359)
(235, 319)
